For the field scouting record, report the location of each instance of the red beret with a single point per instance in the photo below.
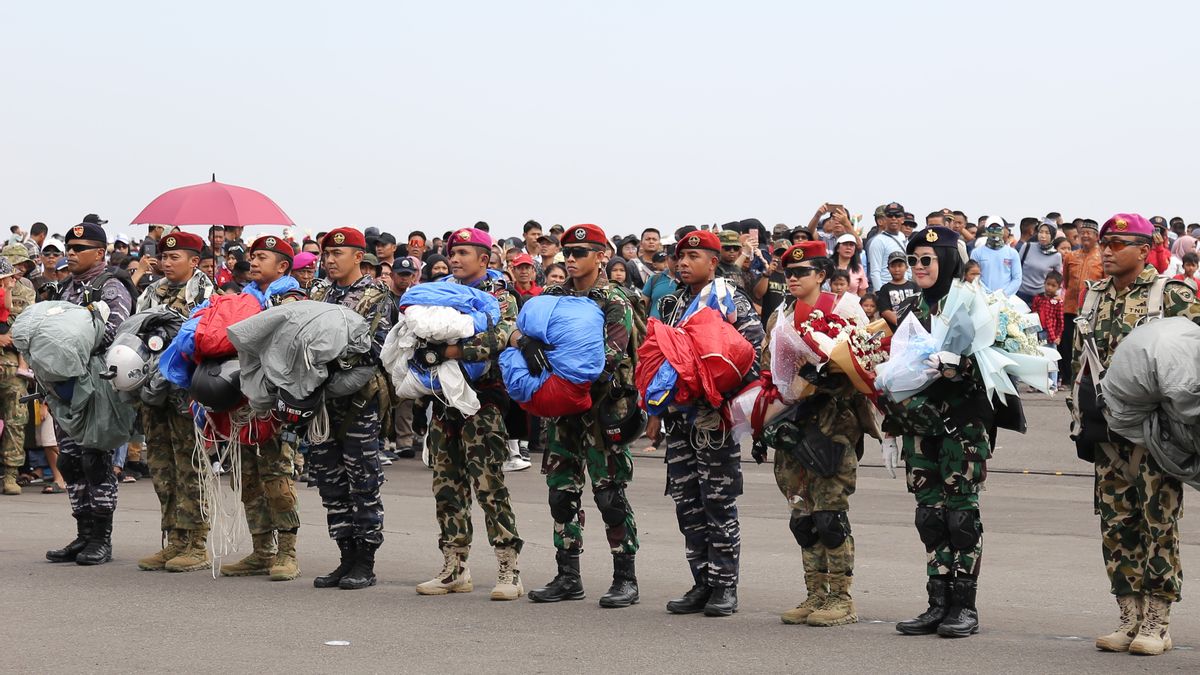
(583, 234)
(805, 250)
(702, 240)
(470, 236)
(344, 236)
(273, 244)
(182, 241)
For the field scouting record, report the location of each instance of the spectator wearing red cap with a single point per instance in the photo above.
(346, 466)
(704, 477)
(524, 277)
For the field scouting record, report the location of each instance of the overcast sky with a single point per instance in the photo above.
(626, 114)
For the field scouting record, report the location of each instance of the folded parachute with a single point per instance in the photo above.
(709, 356)
(573, 329)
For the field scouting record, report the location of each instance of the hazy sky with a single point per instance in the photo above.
(625, 114)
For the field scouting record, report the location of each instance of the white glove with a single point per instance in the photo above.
(940, 360)
(891, 454)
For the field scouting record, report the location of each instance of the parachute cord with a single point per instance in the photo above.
(221, 508)
(318, 428)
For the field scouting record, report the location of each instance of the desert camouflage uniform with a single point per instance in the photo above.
(1138, 504)
(576, 444)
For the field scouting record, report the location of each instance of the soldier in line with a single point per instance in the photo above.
(704, 475)
(12, 387)
(819, 504)
(170, 430)
(268, 486)
(88, 472)
(468, 452)
(346, 466)
(577, 442)
(1138, 503)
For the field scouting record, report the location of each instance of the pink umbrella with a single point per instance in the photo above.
(213, 203)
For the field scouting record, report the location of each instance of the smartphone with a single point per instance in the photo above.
(753, 237)
(833, 208)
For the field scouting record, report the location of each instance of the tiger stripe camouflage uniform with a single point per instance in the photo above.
(575, 443)
(1139, 505)
(704, 475)
(346, 467)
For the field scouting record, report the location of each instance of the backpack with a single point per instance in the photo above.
(94, 290)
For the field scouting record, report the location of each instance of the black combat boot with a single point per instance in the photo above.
(692, 602)
(566, 584)
(362, 572)
(963, 619)
(331, 580)
(83, 527)
(99, 544)
(939, 603)
(624, 589)
(722, 602)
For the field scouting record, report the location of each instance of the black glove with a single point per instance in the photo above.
(759, 451)
(534, 351)
(429, 355)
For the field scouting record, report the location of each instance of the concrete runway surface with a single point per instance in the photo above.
(1043, 594)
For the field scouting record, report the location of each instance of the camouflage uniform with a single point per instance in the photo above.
(1138, 504)
(346, 467)
(704, 476)
(575, 443)
(12, 387)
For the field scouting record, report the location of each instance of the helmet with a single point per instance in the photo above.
(127, 362)
(296, 410)
(216, 385)
(622, 424)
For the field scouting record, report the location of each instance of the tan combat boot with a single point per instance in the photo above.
(817, 590)
(194, 555)
(285, 567)
(258, 562)
(838, 609)
(176, 540)
(1152, 637)
(508, 577)
(1132, 607)
(455, 577)
(10, 481)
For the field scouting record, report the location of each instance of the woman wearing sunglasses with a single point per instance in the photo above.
(945, 448)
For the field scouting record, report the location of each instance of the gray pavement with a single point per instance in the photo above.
(1043, 595)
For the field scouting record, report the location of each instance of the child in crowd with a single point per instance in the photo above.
(1049, 308)
(870, 306)
(839, 283)
(972, 272)
(1191, 261)
(896, 291)
(1063, 246)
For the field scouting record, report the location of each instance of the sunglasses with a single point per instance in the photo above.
(731, 248)
(923, 261)
(577, 252)
(1118, 245)
(81, 248)
(798, 272)
(894, 215)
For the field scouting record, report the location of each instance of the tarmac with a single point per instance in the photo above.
(1043, 595)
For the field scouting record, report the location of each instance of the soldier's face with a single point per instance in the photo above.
(468, 262)
(342, 263)
(582, 261)
(695, 267)
(925, 275)
(177, 266)
(1120, 256)
(266, 267)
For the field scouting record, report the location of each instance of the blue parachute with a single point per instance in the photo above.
(574, 327)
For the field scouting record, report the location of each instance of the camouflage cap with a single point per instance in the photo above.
(6, 268)
(16, 254)
(730, 238)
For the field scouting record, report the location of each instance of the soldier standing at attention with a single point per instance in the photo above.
(818, 503)
(346, 466)
(88, 472)
(268, 487)
(170, 430)
(1139, 505)
(704, 475)
(468, 452)
(577, 443)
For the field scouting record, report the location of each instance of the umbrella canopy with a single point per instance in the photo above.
(213, 203)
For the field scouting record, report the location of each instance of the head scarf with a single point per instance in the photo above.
(427, 270)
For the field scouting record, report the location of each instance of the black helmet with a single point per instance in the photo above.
(622, 429)
(216, 385)
(294, 410)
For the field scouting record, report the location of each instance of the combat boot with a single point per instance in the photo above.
(722, 602)
(362, 572)
(817, 590)
(508, 577)
(1152, 637)
(99, 543)
(692, 602)
(194, 555)
(962, 620)
(624, 589)
(566, 585)
(83, 528)
(285, 567)
(939, 603)
(258, 562)
(1132, 607)
(176, 540)
(455, 576)
(331, 580)
(10, 481)
(838, 609)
